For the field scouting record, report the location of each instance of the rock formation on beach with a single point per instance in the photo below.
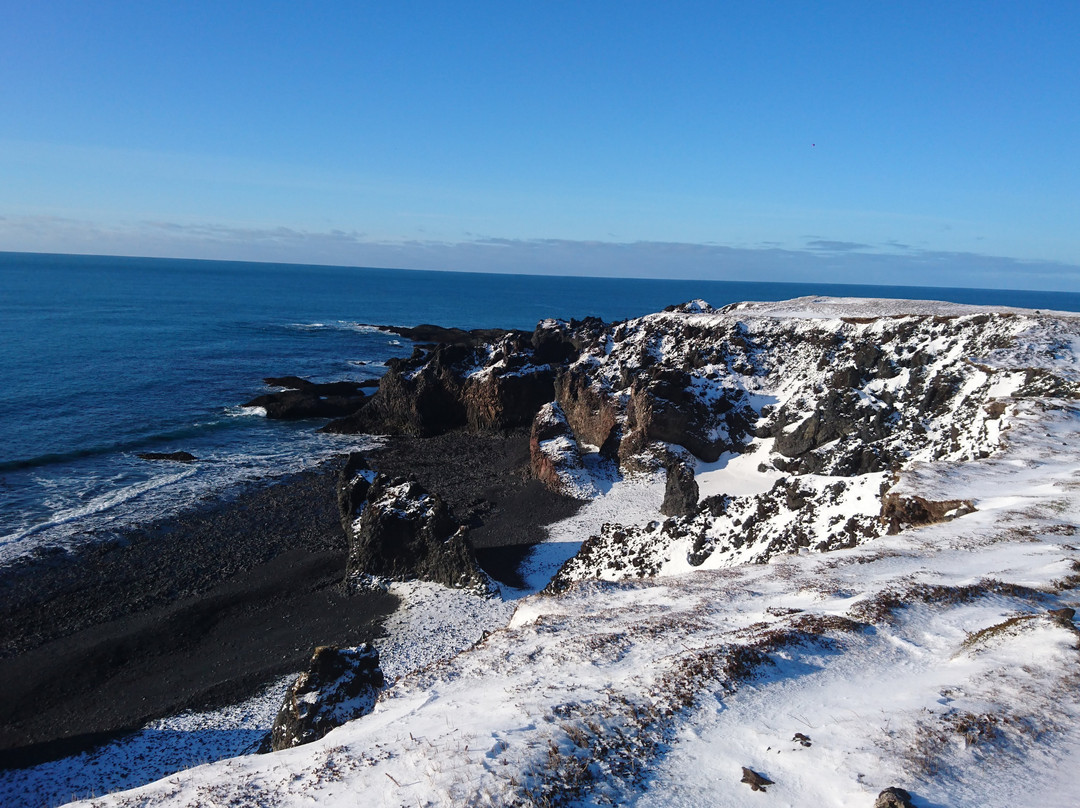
(304, 399)
(339, 685)
(399, 531)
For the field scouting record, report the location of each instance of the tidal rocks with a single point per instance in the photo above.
(436, 334)
(403, 532)
(304, 399)
(339, 685)
(176, 457)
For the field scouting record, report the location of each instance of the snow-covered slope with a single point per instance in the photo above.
(936, 658)
(810, 409)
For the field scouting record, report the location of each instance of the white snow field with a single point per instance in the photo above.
(927, 660)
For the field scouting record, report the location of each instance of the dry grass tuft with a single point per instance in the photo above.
(883, 606)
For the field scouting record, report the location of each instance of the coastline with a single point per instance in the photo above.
(192, 612)
(203, 609)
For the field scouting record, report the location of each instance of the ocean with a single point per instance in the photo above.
(102, 358)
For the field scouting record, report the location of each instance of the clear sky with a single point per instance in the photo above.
(930, 143)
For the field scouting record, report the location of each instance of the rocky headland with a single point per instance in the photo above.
(778, 431)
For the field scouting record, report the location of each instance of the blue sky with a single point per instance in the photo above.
(922, 143)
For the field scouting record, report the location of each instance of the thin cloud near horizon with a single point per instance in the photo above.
(817, 260)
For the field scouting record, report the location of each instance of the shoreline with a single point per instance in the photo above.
(191, 612)
(202, 609)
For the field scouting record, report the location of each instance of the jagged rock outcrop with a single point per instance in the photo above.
(554, 455)
(590, 412)
(796, 513)
(666, 407)
(305, 399)
(354, 482)
(902, 510)
(680, 489)
(485, 388)
(340, 684)
(834, 407)
(842, 416)
(403, 532)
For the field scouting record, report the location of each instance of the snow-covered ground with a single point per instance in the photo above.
(927, 660)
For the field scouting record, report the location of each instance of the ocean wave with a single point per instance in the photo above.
(338, 325)
(94, 504)
(187, 433)
(240, 411)
(77, 502)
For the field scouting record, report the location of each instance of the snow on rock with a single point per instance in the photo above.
(404, 532)
(555, 456)
(815, 405)
(662, 666)
(340, 684)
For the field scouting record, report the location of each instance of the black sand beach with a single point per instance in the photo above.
(202, 609)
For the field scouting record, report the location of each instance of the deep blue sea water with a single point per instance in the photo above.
(102, 358)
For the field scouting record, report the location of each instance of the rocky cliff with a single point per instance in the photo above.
(829, 403)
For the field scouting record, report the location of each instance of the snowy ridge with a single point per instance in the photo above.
(942, 658)
(829, 409)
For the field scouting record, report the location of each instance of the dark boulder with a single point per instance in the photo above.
(756, 781)
(354, 481)
(893, 797)
(680, 491)
(403, 533)
(497, 402)
(306, 399)
(339, 685)
(176, 457)
(552, 343)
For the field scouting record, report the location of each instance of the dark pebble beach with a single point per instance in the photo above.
(201, 609)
